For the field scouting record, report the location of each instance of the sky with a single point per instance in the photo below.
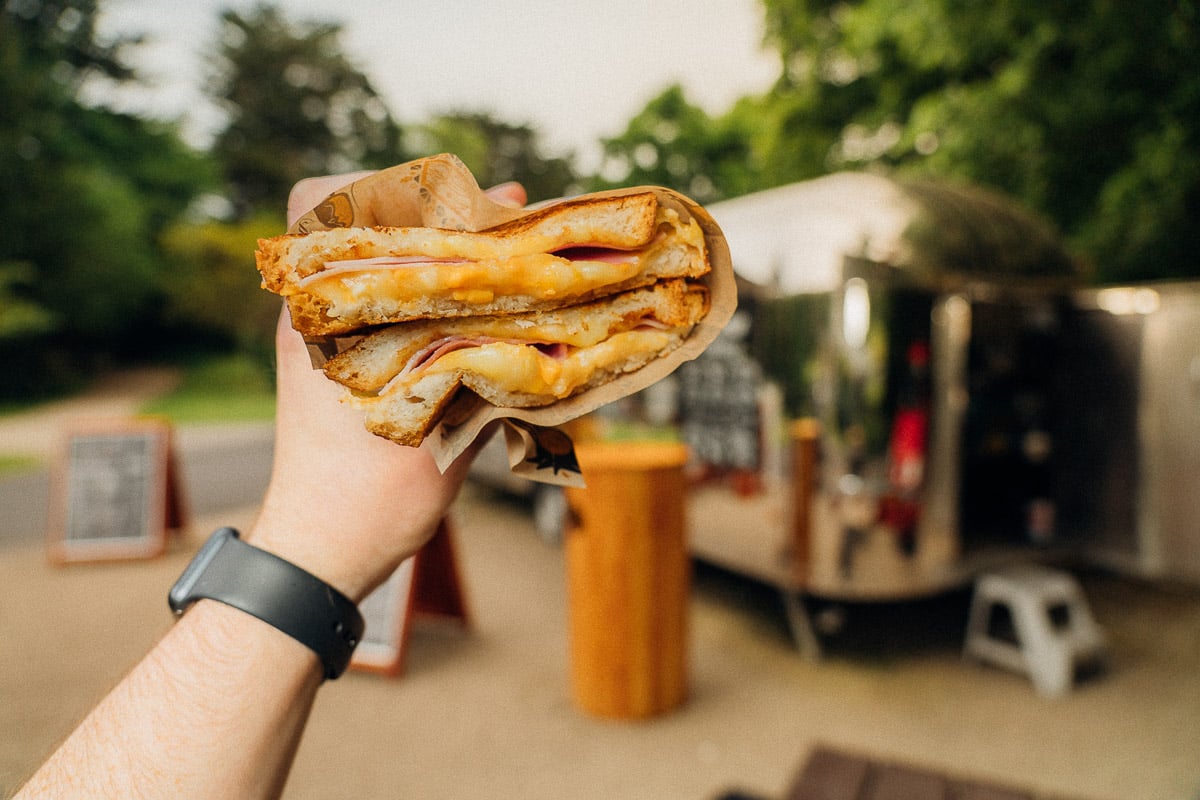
(575, 71)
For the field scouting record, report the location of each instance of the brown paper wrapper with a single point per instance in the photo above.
(440, 192)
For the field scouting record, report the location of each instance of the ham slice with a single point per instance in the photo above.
(431, 352)
(606, 255)
(334, 268)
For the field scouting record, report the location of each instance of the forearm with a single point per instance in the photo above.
(215, 710)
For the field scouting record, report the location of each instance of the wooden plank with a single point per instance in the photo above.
(830, 775)
(892, 782)
(977, 791)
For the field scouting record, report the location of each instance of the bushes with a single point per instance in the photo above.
(212, 287)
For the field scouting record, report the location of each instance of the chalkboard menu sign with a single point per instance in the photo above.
(718, 407)
(115, 492)
(428, 584)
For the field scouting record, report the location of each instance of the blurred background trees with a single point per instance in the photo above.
(84, 194)
(497, 152)
(122, 241)
(1086, 112)
(295, 106)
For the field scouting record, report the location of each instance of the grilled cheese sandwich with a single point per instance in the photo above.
(561, 299)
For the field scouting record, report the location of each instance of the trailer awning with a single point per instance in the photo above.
(794, 239)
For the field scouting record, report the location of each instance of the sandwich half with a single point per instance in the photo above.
(562, 299)
(339, 280)
(404, 375)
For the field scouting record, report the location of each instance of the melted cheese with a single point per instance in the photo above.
(523, 369)
(347, 286)
(577, 333)
(541, 277)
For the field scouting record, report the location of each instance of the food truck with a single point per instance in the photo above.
(920, 385)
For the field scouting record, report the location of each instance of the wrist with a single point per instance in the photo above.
(215, 633)
(353, 534)
(278, 592)
(353, 561)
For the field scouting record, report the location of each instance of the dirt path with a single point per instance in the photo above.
(38, 432)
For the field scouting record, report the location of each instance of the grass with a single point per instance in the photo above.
(214, 389)
(631, 431)
(233, 388)
(18, 464)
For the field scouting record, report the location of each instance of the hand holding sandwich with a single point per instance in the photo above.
(344, 504)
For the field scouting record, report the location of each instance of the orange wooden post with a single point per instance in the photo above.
(805, 434)
(628, 578)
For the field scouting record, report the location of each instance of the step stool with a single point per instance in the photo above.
(1048, 630)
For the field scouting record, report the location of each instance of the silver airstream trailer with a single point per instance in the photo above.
(921, 386)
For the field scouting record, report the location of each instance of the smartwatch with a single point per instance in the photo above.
(262, 584)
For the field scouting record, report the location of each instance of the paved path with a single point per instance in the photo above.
(38, 431)
(222, 466)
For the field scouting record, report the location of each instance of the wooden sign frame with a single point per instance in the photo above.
(115, 492)
(428, 584)
(386, 611)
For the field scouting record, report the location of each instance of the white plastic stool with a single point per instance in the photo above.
(1052, 628)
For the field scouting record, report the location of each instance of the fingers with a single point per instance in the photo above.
(511, 194)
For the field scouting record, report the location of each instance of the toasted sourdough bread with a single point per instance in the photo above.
(403, 391)
(339, 280)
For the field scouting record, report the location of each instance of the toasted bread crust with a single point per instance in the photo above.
(408, 420)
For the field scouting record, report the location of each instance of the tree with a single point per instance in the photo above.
(296, 107)
(674, 143)
(1087, 113)
(213, 289)
(497, 152)
(83, 192)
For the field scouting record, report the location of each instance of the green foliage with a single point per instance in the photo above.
(232, 388)
(166, 174)
(1087, 113)
(674, 143)
(213, 286)
(83, 192)
(58, 37)
(296, 107)
(98, 269)
(20, 317)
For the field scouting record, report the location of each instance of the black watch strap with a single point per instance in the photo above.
(276, 591)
